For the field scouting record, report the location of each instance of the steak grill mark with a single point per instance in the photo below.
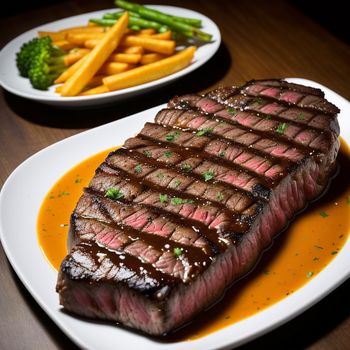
(263, 124)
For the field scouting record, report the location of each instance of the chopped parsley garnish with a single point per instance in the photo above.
(163, 198)
(309, 274)
(52, 197)
(266, 273)
(334, 252)
(222, 154)
(301, 116)
(177, 183)
(78, 180)
(259, 100)
(168, 154)
(179, 201)
(267, 116)
(172, 136)
(186, 167)
(281, 128)
(114, 193)
(63, 193)
(138, 168)
(348, 200)
(204, 131)
(178, 252)
(231, 110)
(219, 196)
(208, 175)
(160, 176)
(148, 154)
(324, 214)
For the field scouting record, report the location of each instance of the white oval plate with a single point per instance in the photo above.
(13, 82)
(22, 195)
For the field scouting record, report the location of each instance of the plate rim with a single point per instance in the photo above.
(112, 95)
(279, 319)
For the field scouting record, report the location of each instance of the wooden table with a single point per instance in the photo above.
(260, 40)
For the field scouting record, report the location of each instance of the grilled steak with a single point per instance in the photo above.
(187, 206)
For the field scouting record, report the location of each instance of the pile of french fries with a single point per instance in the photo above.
(104, 59)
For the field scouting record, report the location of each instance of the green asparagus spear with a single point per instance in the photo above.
(116, 15)
(129, 6)
(104, 22)
(182, 28)
(156, 16)
(135, 27)
(134, 22)
(135, 7)
(195, 22)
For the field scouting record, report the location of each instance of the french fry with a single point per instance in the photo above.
(132, 49)
(58, 89)
(166, 47)
(95, 81)
(79, 39)
(91, 43)
(148, 58)
(110, 68)
(150, 72)
(75, 56)
(64, 44)
(96, 58)
(70, 71)
(65, 30)
(97, 90)
(84, 29)
(163, 36)
(147, 31)
(124, 57)
(55, 36)
(114, 57)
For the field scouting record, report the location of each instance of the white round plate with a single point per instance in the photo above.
(13, 82)
(22, 195)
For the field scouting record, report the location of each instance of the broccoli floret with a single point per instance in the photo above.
(44, 70)
(28, 51)
(41, 62)
(46, 66)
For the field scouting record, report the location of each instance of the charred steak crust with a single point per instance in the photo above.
(196, 197)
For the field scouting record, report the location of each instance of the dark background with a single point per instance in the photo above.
(332, 15)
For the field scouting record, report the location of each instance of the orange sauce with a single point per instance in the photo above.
(297, 255)
(58, 205)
